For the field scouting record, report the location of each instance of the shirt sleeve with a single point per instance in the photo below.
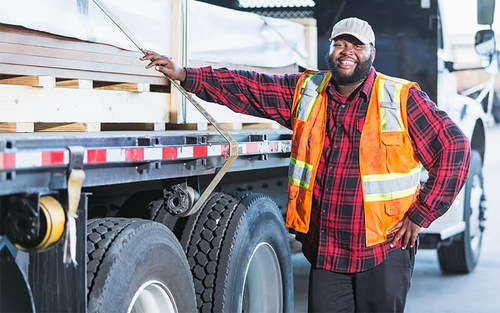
(247, 92)
(444, 151)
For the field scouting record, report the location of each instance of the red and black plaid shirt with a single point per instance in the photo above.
(336, 237)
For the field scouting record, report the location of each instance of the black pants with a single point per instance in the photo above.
(381, 289)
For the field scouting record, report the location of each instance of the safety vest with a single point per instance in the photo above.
(308, 123)
(389, 168)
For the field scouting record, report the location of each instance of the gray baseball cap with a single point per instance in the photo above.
(355, 27)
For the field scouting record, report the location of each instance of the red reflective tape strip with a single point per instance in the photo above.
(134, 154)
(52, 158)
(9, 161)
(252, 147)
(170, 153)
(96, 156)
(200, 151)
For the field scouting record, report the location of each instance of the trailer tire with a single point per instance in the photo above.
(237, 248)
(462, 255)
(135, 264)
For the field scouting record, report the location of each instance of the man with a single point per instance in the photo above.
(360, 139)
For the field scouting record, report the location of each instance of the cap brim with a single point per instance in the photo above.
(359, 37)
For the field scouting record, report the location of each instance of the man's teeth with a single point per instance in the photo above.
(347, 62)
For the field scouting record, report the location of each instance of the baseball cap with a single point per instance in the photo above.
(355, 27)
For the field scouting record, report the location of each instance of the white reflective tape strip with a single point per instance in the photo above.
(309, 94)
(28, 159)
(391, 195)
(265, 147)
(115, 155)
(392, 118)
(153, 154)
(392, 185)
(185, 152)
(66, 156)
(242, 149)
(214, 150)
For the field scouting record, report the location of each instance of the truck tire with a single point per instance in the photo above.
(237, 248)
(462, 255)
(136, 265)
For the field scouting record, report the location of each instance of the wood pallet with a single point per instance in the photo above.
(54, 83)
(47, 103)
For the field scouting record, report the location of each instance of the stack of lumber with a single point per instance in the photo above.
(49, 82)
(53, 83)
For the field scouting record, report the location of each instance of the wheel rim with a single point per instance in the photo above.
(153, 297)
(263, 287)
(475, 231)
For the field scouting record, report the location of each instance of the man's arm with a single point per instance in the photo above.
(247, 92)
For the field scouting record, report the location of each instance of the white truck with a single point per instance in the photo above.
(117, 196)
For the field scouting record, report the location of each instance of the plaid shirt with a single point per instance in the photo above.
(336, 237)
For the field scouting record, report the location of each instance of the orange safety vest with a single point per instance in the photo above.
(389, 168)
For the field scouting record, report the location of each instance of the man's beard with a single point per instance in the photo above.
(361, 71)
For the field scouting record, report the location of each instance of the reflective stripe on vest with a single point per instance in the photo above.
(383, 187)
(300, 172)
(391, 186)
(390, 108)
(311, 88)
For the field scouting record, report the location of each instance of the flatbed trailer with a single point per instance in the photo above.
(115, 192)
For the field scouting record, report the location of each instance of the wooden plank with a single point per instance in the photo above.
(55, 52)
(19, 69)
(189, 126)
(133, 126)
(49, 81)
(179, 53)
(67, 127)
(19, 80)
(127, 69)
(74, 83)
(16, 127)
(79, 127)
(34, 81)
(27, 52)
(21, 35)
(139, 87)
(67, 105)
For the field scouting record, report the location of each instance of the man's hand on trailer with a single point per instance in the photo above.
(164, 65)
